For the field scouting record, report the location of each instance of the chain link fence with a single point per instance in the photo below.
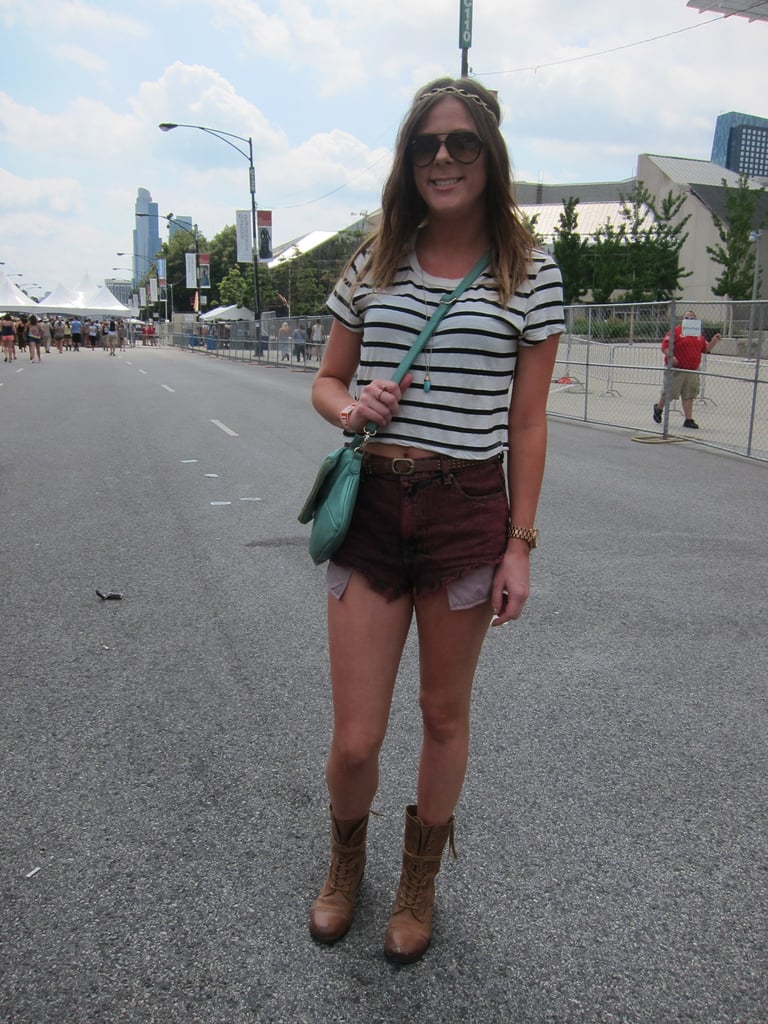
(610, 370)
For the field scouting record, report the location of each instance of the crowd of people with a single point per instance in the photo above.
(33, 335)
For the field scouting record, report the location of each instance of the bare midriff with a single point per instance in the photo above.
(398, 451)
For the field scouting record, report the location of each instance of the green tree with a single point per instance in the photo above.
(735, 253)
(607, 256)
(655, 236)
(570, 251)
(233, 289)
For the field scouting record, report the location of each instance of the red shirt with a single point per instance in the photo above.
(688, 350)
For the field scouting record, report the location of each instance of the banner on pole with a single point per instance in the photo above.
(264, 228)
(162, 279)
(191, 265)
(204, 270)
(244, 236)
(142, 296)
(153, 289)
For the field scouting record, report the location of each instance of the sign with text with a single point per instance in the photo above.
(190, 259)
(243, 236)
(465, 24)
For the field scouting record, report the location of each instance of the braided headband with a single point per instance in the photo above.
(453, 90)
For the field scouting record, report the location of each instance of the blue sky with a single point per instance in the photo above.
(321, 88)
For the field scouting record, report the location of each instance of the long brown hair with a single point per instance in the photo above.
(403, 209)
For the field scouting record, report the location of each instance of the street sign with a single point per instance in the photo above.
(465, 24)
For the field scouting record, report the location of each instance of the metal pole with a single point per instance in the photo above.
(255, 248)
(669, 369)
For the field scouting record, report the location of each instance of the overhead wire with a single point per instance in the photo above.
(540, 67)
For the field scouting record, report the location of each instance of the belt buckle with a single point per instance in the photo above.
(410, 466)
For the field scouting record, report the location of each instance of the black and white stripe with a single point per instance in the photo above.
(472, 354)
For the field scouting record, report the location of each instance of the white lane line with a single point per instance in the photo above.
(221, 502)
(250, 499)
(226, 429)
(168, 389)
(144, 372)
(186, 462)
(213, 476)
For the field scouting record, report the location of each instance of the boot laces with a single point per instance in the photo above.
(415, 878)
(342, 872)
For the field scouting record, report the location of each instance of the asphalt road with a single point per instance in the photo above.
(162, 803)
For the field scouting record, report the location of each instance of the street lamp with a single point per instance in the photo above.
(168, 126)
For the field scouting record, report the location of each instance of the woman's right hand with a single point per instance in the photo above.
(378, 402)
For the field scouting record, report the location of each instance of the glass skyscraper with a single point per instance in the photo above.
(146, 234)
(741, 144)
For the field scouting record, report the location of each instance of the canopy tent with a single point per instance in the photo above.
(88, 301)
(226, 313)
(13, 299)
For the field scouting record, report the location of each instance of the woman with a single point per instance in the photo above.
(8, 336)
(34, 333)
(434, 533)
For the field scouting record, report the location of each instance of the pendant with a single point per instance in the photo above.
(427, 383)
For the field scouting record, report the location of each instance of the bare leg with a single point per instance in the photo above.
(366, 637)
(449, 644)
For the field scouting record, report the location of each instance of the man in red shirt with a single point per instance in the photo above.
(686, 359)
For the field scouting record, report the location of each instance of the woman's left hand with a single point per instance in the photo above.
(511, 584)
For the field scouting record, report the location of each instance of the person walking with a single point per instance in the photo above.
(34, 332)
(8, 337)
(688, 348)
(438, 531)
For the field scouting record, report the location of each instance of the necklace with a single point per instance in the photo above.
(427, 384)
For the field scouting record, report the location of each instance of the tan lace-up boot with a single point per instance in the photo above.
(332, 911)
(410, 926)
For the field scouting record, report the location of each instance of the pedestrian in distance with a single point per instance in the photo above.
(8, 337)
(34, 334)
(439, 531)
(686, 359)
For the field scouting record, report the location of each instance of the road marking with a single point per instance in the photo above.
(222, 426)
(250, 499)
(186, 462)
(213, 476)
(143, 371)
(221, 502)
(168, 389)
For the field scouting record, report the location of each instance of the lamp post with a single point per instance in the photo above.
(168, 126)
(139, 256)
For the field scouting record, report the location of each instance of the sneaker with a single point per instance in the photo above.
(656, 414)
(691, 424)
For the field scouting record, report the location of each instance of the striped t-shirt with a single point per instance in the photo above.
(469, 360)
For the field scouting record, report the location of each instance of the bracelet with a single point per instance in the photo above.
(526, 533)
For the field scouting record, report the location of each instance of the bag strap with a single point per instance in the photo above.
(426, 333)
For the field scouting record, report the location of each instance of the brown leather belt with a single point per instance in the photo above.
(378, 465)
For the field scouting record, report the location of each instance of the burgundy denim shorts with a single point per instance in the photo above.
(421, 532)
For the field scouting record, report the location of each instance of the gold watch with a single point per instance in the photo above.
(526, 533)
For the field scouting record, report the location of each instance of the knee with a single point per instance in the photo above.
(443, 722)
(354, 754)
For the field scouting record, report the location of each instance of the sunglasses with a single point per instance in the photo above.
(463, 147)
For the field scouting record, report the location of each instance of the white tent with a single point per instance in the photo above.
(13, 299)
(93, 302)
(227, 313)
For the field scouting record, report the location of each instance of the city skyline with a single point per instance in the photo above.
(585, 90)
